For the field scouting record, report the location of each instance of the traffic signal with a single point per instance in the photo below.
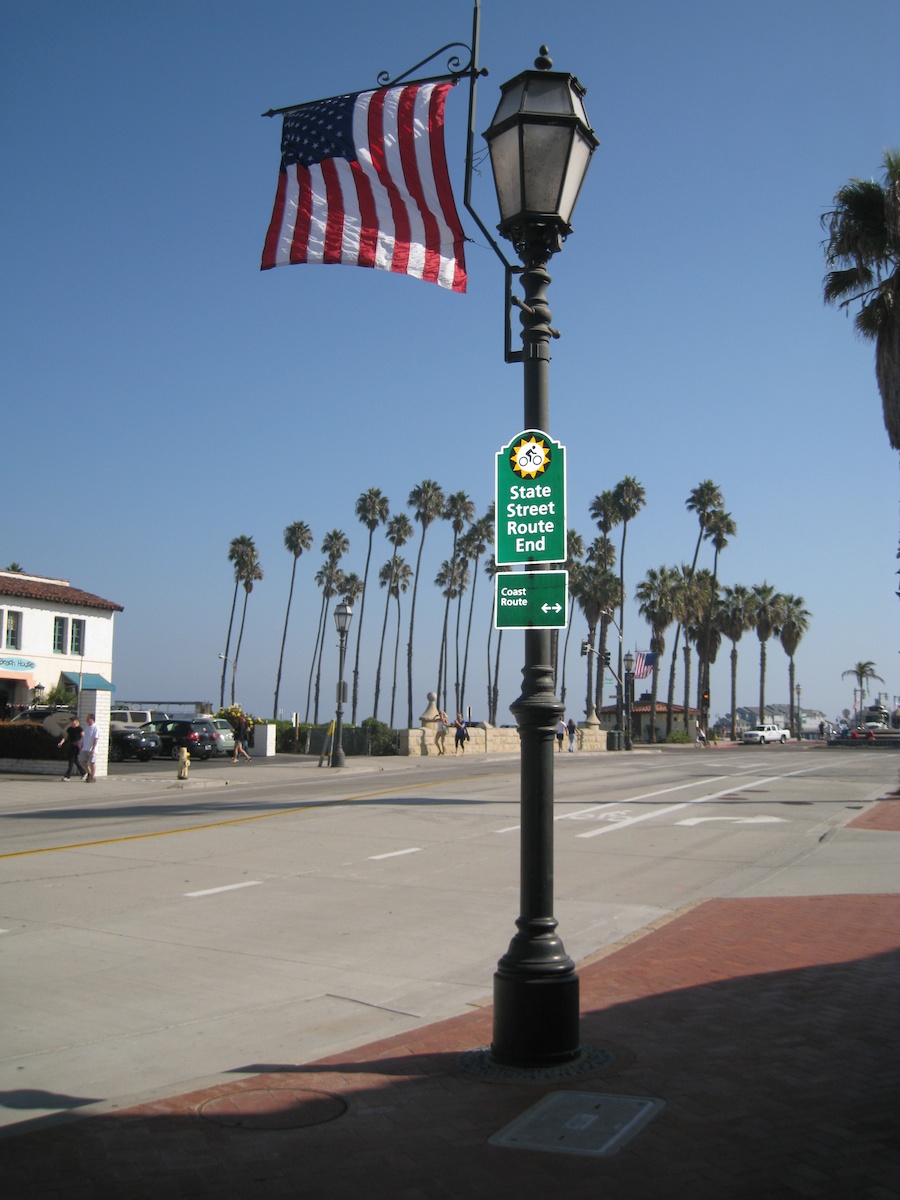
(606, 658)
(585, 646)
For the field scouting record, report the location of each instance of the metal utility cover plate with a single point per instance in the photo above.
(579, 1123)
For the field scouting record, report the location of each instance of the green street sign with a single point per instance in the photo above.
(531, 500)
(531, 600)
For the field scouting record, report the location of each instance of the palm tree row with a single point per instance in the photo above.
(688, 597)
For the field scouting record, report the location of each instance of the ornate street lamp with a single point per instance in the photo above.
(343, 615)
(540, 144)
(628, 660)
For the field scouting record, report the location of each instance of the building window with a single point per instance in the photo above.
(13, 631)
(76, 645)
(59, 635)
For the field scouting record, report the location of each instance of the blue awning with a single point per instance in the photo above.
(89, 682)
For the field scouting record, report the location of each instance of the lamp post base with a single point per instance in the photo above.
(536, 1019)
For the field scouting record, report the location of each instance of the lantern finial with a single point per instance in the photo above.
(543, 62)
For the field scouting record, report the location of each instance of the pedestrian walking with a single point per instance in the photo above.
(560, 734)
(442, 724)
(87, 754)
(572, 727)
(72, 739)
(241, 739)
(462, 734)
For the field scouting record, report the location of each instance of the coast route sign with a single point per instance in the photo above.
(531, 500)
(531, 599)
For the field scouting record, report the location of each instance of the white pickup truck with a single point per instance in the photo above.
(759, 735)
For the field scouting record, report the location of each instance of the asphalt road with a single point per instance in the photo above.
(155, 935)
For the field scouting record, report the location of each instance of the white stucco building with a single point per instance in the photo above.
(54, 633)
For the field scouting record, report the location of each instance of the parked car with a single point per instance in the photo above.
(127, 742)
(761, 735)
(39, 714)
(198, 735)
(224, 735)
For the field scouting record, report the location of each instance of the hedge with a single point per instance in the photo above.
(21, 739)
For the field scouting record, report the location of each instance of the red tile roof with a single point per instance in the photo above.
(56, 592)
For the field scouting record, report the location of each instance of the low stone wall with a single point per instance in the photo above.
(419, 743)
(32, 766)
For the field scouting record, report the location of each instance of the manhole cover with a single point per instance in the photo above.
(578, 1123)
(591, 1058)
(272, 1108)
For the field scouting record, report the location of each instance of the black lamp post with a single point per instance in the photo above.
(540, 144)
(628, 660)
(343, 615)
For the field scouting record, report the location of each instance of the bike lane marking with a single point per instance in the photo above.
(662, 812)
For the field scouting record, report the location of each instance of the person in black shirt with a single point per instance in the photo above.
(72, 739)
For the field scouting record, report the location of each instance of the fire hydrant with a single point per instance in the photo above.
(184, 762)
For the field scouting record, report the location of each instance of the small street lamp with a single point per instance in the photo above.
(540, 144)
(343, 615)
(629, 697)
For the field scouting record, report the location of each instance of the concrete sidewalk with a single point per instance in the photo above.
(767, 1027)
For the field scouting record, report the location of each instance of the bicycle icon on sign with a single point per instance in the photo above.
(530, 458)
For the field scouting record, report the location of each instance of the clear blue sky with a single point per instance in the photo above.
(162, 395)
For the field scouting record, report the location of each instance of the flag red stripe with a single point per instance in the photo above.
(334, 227)
(274, 230)
(400, 255)
(414, 183)
(368, 234)
(442, 180)
(300, 238)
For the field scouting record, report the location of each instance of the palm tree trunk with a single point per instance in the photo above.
(319, 670)
(496, 694)
(685, 716)
(238, 647)
(469, 629)
(734, 662)
(412, 623)
(396, 659)
(762, 680)
(283, 640)
(670, 699)
(312, 665)
(359, 628)
(489, 676)
(227, 646)
(387, 603)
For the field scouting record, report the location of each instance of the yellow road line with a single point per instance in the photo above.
(282, 812)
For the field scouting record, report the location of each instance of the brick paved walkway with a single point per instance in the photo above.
(768, 1027)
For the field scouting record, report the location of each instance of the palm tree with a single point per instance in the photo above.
(401, 575)
(703, 500)
(720, 528)
(574, 555)
(767, 616)
(863, 673)
(630, 498)
(693, 598)
(459, 511)
(477, 540)
(238, 552)
(251, 573)
(371, 510)
(427, 501)
(493, 681)
(794, 623)
(655, 596)
(863, 254)
(399, 531)
(297, 538)
(595, 591)
(330, 579)
(734, 617)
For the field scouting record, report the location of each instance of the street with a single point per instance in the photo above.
(155, 934)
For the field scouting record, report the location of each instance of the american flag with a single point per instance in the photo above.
(643, 665)
(364, 182)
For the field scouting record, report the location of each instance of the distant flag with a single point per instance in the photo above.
(643, 665)
(364, 182)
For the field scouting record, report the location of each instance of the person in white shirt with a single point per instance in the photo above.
(88, 746)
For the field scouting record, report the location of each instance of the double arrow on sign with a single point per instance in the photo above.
(551, 608)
